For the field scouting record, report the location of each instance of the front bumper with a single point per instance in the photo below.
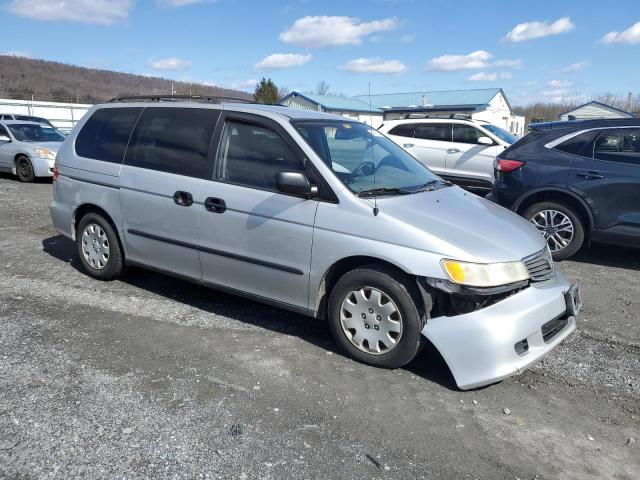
(480, 347)
(42, 167)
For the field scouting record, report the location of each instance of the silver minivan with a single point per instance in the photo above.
(316, 214)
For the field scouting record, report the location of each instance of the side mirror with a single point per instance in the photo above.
(4, 138)
(485, 141)
(295, 183)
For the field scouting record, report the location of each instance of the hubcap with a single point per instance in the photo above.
(95, 246)
(371, 320)
(555, 226)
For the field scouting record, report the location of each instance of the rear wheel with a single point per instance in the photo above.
(374, 316)
(24, 169)
(98, 247)
(560, 225)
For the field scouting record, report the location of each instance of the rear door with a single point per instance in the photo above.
(607, 175)
(6, 150)
(254, 238)
(430, 143)
(160, 187)
(469, 162)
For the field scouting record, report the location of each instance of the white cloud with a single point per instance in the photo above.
(559, 83)
(474, 60)
(103, 12)
(278, 61)
(325, 31)
(575, 67)
(172, 63)
(530, 30)
(631, 35)
(180, 3)
(373, 65)
(248, 84)
(489, 77)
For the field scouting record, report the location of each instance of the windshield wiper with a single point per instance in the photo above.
(432, 185)
(384, 191)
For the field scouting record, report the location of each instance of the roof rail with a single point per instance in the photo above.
(174, 98)
(451, 116)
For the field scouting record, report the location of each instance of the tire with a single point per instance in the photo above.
(404, 326)
(24, 170)
(564, 215)
(104, 261)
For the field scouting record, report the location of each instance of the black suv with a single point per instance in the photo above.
(575, 180)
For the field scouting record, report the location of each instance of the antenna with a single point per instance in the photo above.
(375, 195)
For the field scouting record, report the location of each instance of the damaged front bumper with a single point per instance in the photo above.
(489, 344)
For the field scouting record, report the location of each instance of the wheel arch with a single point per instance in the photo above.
(14, 163)
(559, 195)
(346, 264)
(85, 208)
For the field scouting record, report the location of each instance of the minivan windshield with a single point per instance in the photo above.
(500, 133)
(366, 161)
(31, 132)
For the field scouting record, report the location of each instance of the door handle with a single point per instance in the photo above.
(407, 145)
(452, 150)
(184, 199)
(590, 175)
(215, 205)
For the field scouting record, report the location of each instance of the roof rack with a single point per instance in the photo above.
(451, 116)
(175, 98)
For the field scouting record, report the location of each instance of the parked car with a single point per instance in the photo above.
(458, 149)
(28, 149)
(26, 118)
(576, 181)
(319, 215)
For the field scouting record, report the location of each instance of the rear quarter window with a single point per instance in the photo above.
(405, 130)
(105, 135)
(579, 145)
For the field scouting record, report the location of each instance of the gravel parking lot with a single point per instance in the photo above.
(153, 377)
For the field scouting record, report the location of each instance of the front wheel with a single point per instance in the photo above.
(560, 225)
(24, 170)
(374, 317)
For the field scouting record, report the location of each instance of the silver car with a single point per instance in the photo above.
(28, 149)
(316, 214)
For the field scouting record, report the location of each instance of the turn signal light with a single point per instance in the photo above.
(504, 165)
(56, 173)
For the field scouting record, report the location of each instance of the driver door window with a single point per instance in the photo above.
(252, 156)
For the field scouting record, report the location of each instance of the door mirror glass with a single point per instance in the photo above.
(294, 183)
(4, 138)
(485, 141)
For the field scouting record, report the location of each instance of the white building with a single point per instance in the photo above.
(62, 115)
(592, 110)
(489, 104)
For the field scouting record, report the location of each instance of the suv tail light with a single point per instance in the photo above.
(56, 173)
(506, 165)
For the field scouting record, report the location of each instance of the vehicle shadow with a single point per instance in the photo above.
(428, 364)
(9, 176)
(608, 256)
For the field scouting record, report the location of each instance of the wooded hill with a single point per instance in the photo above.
(52, 81)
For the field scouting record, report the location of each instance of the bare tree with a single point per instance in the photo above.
(322, 88)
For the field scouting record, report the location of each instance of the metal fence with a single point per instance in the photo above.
(62, 115)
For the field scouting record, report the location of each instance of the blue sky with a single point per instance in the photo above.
(535, 50)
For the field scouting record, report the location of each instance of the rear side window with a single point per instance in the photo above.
(466, 134)
(579, 145)
(620, 145)
(105, 135)
(434, 131)
(405, 130)
(173, 140)
(252, 156)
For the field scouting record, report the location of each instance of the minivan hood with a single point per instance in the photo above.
(460, 225)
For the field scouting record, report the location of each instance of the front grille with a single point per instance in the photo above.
(552, 328)
(540, 266)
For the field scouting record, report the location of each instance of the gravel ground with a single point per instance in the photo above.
(153, 377)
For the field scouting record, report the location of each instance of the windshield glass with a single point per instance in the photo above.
(35, 133)
(364, 159)
(500, 133)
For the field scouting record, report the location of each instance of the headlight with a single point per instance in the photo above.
(44, 153)
(484, 274)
